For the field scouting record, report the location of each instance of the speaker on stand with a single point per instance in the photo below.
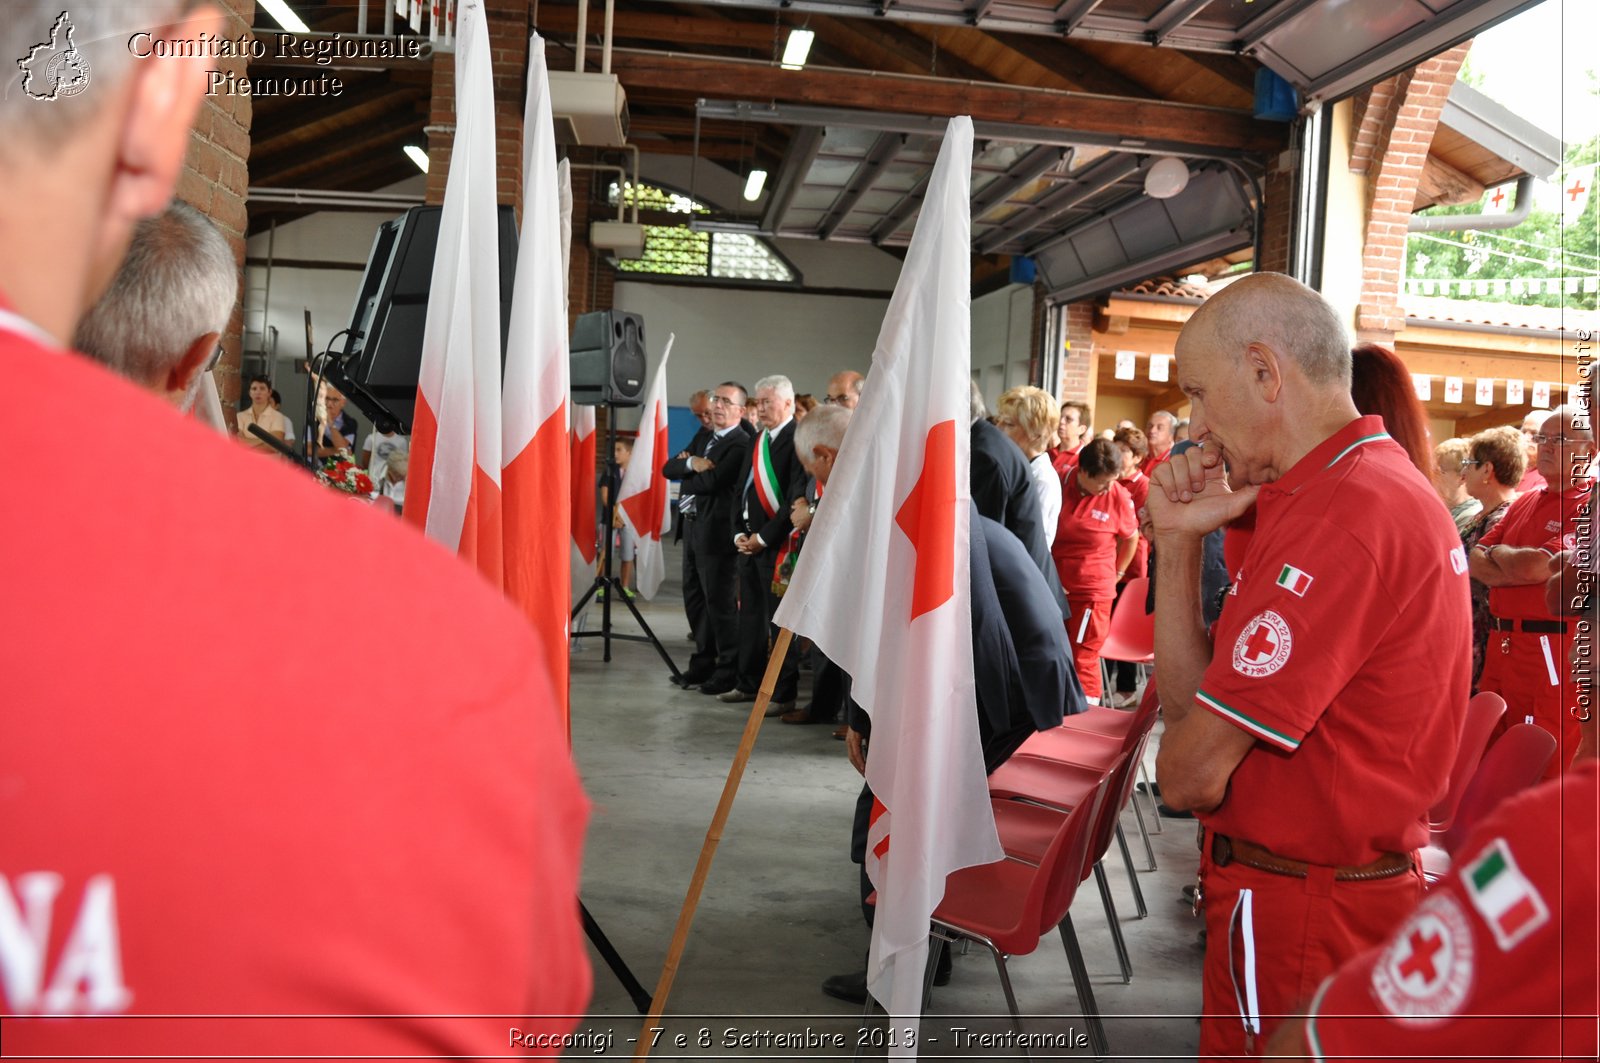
(608, 369)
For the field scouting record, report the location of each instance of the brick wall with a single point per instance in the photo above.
(508, 50)
(1374, 116)
(216, 179)
(1419, 96)
(1078, 370)
(1277, 223)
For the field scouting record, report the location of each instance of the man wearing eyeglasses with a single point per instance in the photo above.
(844, 389)
(1528, 644)
(711, 478)
(160, 322)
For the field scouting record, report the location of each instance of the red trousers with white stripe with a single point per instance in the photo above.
(1087, 630)
(1295, 933)
(1537, 689)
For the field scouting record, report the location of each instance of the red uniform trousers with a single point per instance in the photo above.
(1298, 931)
(1533, 686)
(1087, 631)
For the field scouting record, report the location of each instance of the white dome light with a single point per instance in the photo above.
(1166, 178)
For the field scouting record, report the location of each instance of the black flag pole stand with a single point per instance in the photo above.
(610, 584)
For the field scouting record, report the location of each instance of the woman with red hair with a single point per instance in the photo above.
(1381, 384)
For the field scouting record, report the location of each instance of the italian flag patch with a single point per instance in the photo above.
(1505, 898)
(1294, 581)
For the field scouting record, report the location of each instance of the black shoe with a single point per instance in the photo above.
(689, 679)
(850, 988)
(1172, 813)
(711, 686)
(1150, 788)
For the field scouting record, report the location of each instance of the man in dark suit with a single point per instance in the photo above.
(1003, 490)
(703, 660)
(760, 531)
(714, 478)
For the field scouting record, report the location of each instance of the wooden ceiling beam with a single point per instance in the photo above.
(1206, 127)
(651, 26)
(1071, 66)
(283, 168)
(301, 120)
(912, 47)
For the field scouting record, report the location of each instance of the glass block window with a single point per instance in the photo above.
(676, 250)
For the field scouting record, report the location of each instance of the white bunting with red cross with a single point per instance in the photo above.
(1575, 189)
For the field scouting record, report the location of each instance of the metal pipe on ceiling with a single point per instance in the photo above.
(1095, 178)
(1450, 223)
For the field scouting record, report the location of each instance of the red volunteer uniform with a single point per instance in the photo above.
(203, 818)
(1500, 959)
(1152, 459)
(1085, 553)
(1525, 662)
(1345, 649)
(1138, 488)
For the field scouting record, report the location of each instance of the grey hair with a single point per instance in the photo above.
(978, 409)
(779, 383)
(822, 427)
(1275, 309)
(178, 282)
(100, 34)
(1172, 418)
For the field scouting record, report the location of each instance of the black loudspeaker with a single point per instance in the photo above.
(383, 353)
(608, 359)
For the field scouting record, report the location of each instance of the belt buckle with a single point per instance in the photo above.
(1505, 644)
(1221, 850)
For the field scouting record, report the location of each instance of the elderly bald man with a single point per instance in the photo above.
(1529, 645)
(1313, 733)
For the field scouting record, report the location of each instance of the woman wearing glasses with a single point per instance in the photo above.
(1495, 466)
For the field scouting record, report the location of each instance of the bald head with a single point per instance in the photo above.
(1280, 312)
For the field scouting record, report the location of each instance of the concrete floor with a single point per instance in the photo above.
(780, 911)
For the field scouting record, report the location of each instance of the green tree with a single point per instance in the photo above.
(1541, 247)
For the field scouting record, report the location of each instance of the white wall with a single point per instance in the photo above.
(1002, 340)
(735, 334)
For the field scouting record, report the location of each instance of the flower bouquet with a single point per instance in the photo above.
(342, 474)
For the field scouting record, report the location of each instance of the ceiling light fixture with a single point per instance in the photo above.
(1168, 177)
(754, 184)
(797, 48)
(285, 17)
(418, 156)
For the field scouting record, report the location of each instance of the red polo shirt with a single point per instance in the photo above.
(1085, 549)
(1346, 650)
(1500, 958)
(216, 829)
(1542, 519)
(1138, 488)
(1152, 459)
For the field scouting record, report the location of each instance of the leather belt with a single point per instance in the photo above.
(1226, 850)
(1543, 627)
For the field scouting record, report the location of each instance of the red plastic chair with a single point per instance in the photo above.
(1007, 907)
(1483, 713)
(1133, 631)
(1515, 762)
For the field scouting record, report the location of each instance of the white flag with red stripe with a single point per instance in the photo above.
(536, 479)
(642, 496)
(453, 489)
(882, 587)
(584, 550)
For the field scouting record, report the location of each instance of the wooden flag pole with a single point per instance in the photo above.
(708, 851)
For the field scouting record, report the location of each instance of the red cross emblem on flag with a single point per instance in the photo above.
(1576, 190)
(1498, 198)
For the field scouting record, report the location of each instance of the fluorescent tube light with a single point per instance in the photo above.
(285, 17)
(754, 184)
(418, 156)
(797, 48)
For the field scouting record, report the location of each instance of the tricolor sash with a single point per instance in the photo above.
(765, 476)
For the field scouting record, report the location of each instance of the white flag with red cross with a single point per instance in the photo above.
(882, 588)
(642, 497)
(1575, 187)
